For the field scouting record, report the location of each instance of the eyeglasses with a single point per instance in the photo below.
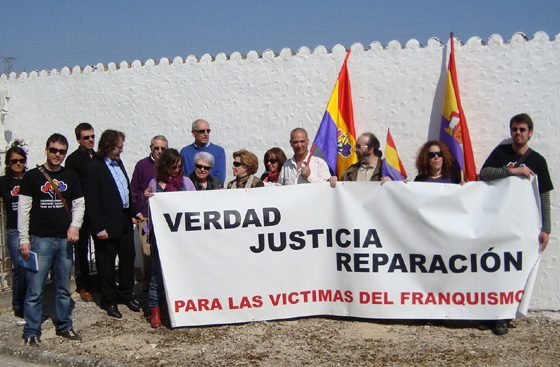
(60, 151)
(435, 154)
(202, 131)
(358, 146)
(14, 161)
(159, 148)
(272, 161)
(87, 137)
(237, 164)
(206, 168)
(174, 168)
(520, 129)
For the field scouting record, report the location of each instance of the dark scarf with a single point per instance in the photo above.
(174, 183)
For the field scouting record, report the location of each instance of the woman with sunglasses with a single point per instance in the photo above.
(169, 178)
(245, 165)
(16, 159)
(203, 163)
(435, 163)
(274, 159)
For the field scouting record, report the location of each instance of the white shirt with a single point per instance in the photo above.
(291, 175)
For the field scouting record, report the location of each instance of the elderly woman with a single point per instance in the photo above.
(169, 178)
(435, 163)
(203, 163)
(245, 165)
(274, 159)
(16, 165)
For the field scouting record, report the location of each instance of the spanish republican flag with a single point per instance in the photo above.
(392, 165)
(336, 136)
(454, 131)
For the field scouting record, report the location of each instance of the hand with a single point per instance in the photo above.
(521, 171)
(333, 181)
(385, 179)
(103, 235)
(543, 240)
(137, 219)
(148, 193)
(73, 234)
(24, 250)
(305, 172)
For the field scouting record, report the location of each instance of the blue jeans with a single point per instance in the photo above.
(156, 291)
(19, 283)
(58, 253)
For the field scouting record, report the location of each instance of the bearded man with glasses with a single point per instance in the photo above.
(517, 159)
(143, 173)
(201, 132)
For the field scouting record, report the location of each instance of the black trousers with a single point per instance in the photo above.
(106, 251)
(81, 250)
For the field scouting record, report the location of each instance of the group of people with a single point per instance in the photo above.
(52, 210)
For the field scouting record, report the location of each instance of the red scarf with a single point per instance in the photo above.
(272, 177)
(174, 183)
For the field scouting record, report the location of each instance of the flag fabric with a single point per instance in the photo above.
(454, 131)
(392, 165)
(336, 136)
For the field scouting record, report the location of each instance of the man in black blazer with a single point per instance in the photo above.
(111, 214)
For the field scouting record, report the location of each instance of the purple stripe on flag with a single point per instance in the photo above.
(452, 144)
(327, 141)
(388, 171)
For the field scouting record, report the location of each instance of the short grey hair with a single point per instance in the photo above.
(205, 156)
(193, 128)
(159, 137)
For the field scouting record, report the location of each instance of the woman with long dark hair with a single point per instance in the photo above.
(169, 178)
(16, 165)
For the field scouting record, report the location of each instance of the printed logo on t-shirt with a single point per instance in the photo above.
(48, 189)
(15, 191)
(512, 164)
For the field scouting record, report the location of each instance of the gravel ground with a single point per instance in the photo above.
(315, 341)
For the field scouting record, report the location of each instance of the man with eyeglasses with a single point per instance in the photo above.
(111, 214)
(143, 173)
(85, 135)
(517, 159)
(50, 214)
(201, 132)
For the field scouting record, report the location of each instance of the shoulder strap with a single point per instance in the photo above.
(55, 188)
(523, 157)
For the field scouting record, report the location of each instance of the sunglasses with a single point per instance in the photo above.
(202, 131)
(435, 154)
(14, 161)
(200, 166)
(159, 148)
(54, 151)
(237, 164)
(520, 129)
(87, 137)
(174, 168)
(272, 161)
(359, 146)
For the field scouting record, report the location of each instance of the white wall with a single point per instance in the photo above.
(254, 101)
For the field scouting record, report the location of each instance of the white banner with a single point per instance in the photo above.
(398, 251)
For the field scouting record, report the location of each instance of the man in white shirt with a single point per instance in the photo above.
(301, 168)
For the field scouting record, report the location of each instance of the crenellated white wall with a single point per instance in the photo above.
(254, 101)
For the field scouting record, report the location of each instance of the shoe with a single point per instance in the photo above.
(484, 326)
(155, 318)
(70, 334)
(500, 327)
(32, 341)
(113, 311)
(18, 313)
(85, 295)
(132, 305)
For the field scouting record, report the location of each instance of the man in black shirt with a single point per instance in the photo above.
(85, 135)
(517, 159)
(50, 213)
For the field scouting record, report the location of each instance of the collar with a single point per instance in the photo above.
(205, 146)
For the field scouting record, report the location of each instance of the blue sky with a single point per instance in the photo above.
(54, 34)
